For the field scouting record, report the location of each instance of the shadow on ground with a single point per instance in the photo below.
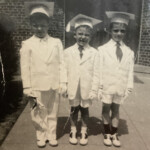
(137, 80)
(123, 127)
(94, 127)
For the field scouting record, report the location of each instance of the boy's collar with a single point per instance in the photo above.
(114, 42)
(42, 39)
(86, 46)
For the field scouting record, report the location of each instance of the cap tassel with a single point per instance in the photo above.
(107, 31)
(68, 27)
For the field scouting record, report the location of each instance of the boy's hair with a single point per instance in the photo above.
(38, 16)
(87, 27)
(112, 23)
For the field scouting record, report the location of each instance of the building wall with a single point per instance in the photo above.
(14, 9)
(144, 46)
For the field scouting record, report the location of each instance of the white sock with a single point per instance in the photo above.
(73, 129)
(83, 129)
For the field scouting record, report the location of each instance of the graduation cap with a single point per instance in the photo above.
(46, 8)
(120, 17)
(81, 20)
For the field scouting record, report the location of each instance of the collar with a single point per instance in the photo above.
(114, 42)
(42, 39)
(85, 47)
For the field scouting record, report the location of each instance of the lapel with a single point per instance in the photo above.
(112, 54)
(126, 54)
(51, 49)
(75, 53)
(87, 54)
(36, 47)
(111, 49)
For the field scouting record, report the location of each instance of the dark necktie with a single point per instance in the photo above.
(118, 51)
(81, 51)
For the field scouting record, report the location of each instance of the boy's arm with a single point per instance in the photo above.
(25, 68)
(100, 69)
(130, 79)
(97, 75)
(100, 87)
(25, 65)
(131, 70)
(63, 71)
(95, 79)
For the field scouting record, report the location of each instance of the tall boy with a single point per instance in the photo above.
(42, 72)
(116, 61)
(79, 60)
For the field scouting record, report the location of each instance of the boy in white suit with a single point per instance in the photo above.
(116, 62)
(79, 60)
(42, 71)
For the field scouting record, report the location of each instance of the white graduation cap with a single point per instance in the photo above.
(81, 20)
(120, 17)
(46, 8)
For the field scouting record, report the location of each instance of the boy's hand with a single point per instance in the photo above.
(128, 91)
(63, 88)
(93, 95)
(28, 92)
(33, 102)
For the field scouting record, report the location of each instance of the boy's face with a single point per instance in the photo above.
(118, 32)
(83, 35)
(40, 27)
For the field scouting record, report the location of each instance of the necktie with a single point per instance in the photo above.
(81, 51)
(118, 51)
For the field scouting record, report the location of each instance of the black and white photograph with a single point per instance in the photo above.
(74, 74)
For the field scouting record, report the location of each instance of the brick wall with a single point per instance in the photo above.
(144, 46)
(15, 10)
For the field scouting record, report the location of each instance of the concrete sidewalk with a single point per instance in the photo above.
(141, 69)
(133, 129)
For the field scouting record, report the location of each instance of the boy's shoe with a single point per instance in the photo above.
(73, 136)
(84, 139)
(84, 136)
(107, 140)
(115, 140)
(53, 143)
(41, 143)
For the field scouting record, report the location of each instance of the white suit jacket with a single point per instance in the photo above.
(42, 64)
(80, 70)
(115, 77)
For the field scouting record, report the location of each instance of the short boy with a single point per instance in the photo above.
(79, 60)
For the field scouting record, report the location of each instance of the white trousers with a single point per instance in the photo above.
(44, 114)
